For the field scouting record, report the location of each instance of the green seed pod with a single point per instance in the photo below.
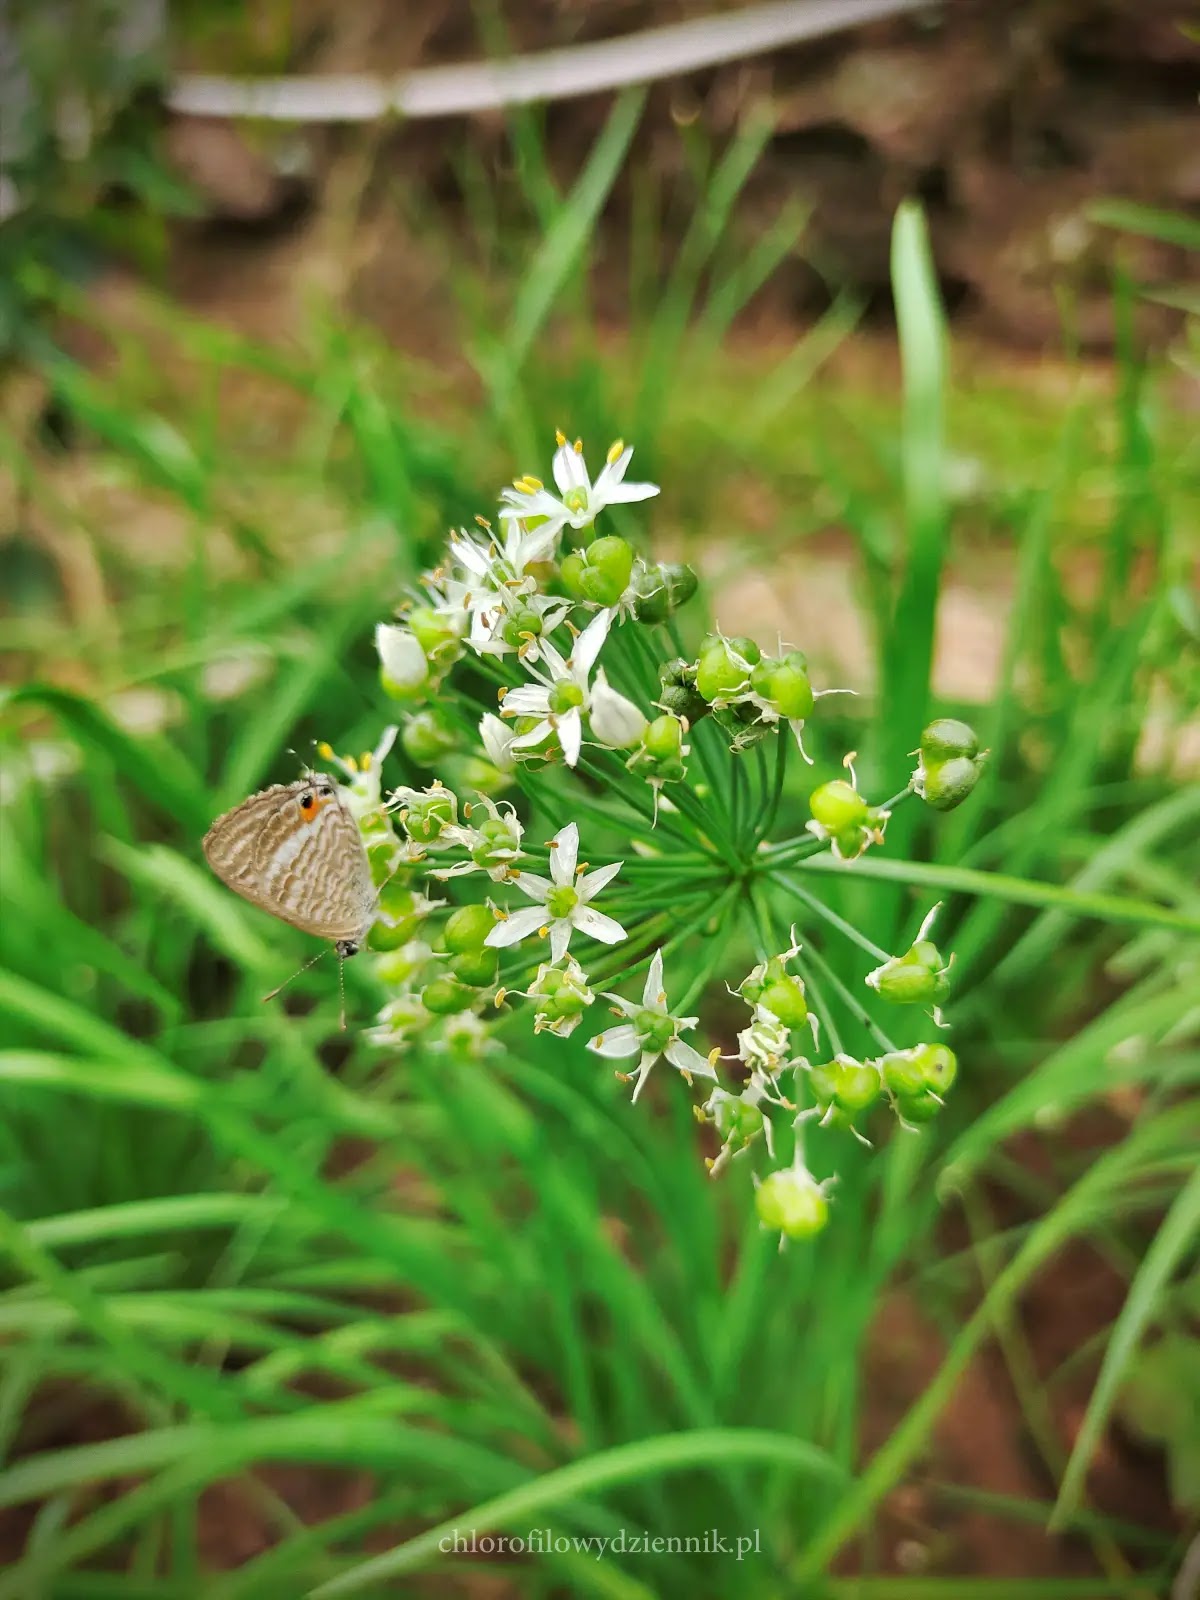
(476, 967)
(858, 1085)
(600, 572)
(938, 1066)
(823, 1080)
(737, 1120)
(520, 625)
(946, 738)
(948, 783)
(838, 807)
(467, 928)
(902, 1074)
(918, 1107)
(444, 996)
(426, 815)
(495, 842)
(784, 998)
(438, 635)
(661, 588)
(919, 977)
(654, 1030)
(679, 695)
(427, 736)
(790, 1202)
(724, 666)
(785, 685)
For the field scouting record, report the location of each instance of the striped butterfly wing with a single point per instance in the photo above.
(295, 851)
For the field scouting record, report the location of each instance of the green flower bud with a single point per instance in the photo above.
(477, 967)
(838, 807)
(792, 1203)
(784, 684)
(444, 996)
(427, 736)
(467, 928)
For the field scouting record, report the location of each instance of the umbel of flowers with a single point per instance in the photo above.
(550, 708)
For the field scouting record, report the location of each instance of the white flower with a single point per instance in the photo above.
(764, 1045)
(562, 996)
(581, 500)
(401, 656)
(563, 901)
(615, 721)
(651, 1031)
(562, 693)
(491, 847)
(496, 590)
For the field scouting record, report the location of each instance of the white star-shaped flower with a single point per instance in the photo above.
(579, 501)
(651, 1031)
(562, 693)
(563, 901)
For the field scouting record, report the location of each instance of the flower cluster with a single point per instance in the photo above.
(543, 677)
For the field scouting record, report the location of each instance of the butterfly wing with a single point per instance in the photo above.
(304, 863)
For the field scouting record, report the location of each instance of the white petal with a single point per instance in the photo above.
(688, 1060)
(535, 546)
(587, 646)
(560, 938)
(615, 721)
(611, 474)
(626, 493)
(530, 700)
(615, 1042)
(497, 739)
(570, 470)
(517, 926)
(570, 735)
(654, 985)
(597, 926)
(526, 741)
(590, 885)
(531, 884)
(564, 854)
(643, 1071)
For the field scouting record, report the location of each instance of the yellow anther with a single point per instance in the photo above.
(578, 447)
(325, 751)
(560, 437)
(614, 450)
(364, 761)
(543, 933)
(498, 1000)
(351, 764)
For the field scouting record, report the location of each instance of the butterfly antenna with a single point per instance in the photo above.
(296, 974)
(341, 991)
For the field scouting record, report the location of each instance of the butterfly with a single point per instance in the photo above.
(295, 850)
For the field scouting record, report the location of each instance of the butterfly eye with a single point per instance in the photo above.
(307, 802)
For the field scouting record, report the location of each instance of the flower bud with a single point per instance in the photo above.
(427, 736)
(918, 977)
(444, 996)
(660, 588)
(497, 739)
(724, 666)
(784, 684)
(600, 572)
(792, 1202)
(615, 721)
(403, 667)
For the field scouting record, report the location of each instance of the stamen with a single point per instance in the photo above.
(614, 451)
